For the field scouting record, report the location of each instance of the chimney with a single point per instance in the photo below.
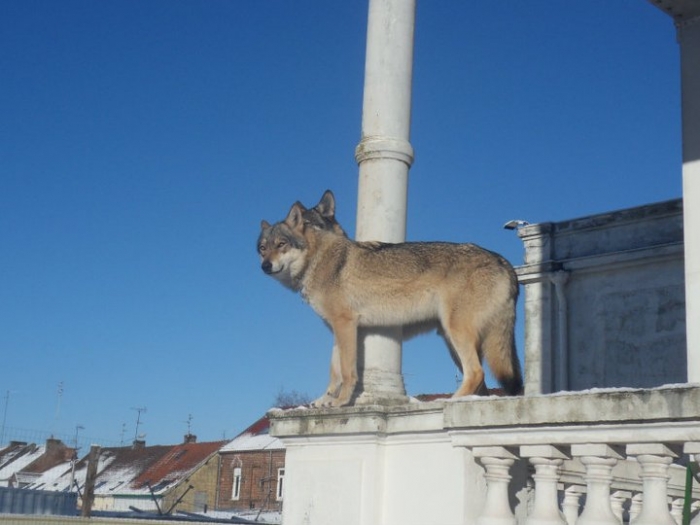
(53, 444)
(139, 443)
(190, 438)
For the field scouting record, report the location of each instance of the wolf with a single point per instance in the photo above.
(466, 292)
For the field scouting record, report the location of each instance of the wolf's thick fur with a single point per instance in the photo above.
(467, 292)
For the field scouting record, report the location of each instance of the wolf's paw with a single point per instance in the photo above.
(344, 397)
(326, 400)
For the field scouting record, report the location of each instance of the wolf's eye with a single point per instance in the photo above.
(281, 244)
(261, 248)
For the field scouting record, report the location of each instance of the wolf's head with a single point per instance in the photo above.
(282, 247)
(322, 215)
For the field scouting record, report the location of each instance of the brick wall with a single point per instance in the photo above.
(258, 482)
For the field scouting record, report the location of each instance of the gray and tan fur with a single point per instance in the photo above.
(465, 291)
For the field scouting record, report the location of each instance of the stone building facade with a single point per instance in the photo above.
(605, 300)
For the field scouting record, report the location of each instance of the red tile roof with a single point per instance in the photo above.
(176, 462)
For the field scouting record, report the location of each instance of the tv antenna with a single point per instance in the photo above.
(78, 428)
(138, 420)
(4, 415)
(59, 394)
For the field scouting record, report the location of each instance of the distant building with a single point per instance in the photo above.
(160, 478)
(30, 465)
(252, 470)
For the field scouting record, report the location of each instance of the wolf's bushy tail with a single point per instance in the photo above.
(498, 349)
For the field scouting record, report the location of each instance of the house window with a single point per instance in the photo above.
(236, 492)
(280, 484)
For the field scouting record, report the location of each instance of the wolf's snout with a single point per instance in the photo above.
(266, 267)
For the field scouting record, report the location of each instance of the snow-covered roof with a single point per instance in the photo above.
(246, 442)
(129, 471)
(255, 437)
(16, 457)
(120, 471)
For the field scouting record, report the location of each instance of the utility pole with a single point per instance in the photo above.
(90, 476)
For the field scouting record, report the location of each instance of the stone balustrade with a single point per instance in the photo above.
(591, 468)
(592, 501)
(599, 457)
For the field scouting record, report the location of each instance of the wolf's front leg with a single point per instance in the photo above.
(345, 332)
(334, 385)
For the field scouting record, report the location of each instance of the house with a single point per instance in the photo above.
(161, 478)
(25, 465)
(187, 476)
(29, 465)
(241, 475)
(252, 470)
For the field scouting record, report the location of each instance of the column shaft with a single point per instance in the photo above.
(385, 155)
(689, 40)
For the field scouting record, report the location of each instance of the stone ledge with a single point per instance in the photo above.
(360, 419)
(593, 408)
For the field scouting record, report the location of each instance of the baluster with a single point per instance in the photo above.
(617, 500)
(497, 462)
(547, 461)
(694, 507)
(692, 448)
(677, 510)
(572, 503)
(635, 506)
(654, 459)
(599, 460)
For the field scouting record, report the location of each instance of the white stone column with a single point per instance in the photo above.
(599, 460)
(547, 461)
(654, 459)
(539, 303)
(385, 155)
(689, 40)
(497, 462)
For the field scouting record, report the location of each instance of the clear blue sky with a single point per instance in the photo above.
(141, 143)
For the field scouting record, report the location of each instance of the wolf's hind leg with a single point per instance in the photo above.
(463, 344)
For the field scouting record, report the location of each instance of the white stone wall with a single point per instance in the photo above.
(415, 464)
(605, 300)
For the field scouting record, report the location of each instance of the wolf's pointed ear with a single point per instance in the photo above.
(264, 225)
(294, 219)
(326, 206)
